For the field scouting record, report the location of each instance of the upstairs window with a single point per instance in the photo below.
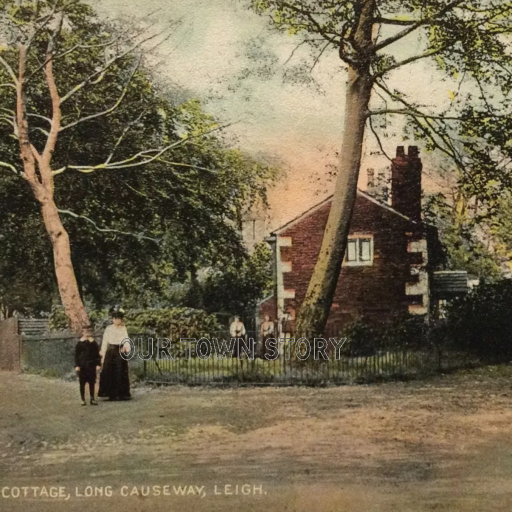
(359, 251)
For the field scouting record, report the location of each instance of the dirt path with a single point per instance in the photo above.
(443, 445)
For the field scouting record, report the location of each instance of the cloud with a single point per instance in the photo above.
(226, 56)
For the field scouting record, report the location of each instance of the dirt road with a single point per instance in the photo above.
(443, 445)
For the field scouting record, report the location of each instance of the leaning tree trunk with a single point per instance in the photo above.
(316, 306)
(313, 314)
(64, 272)
(38, 173)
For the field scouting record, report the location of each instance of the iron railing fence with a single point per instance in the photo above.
(218, 359)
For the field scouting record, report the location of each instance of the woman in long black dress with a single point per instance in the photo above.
(114, 379)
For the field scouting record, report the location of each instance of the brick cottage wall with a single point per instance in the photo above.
(397, 282)
(377, 291)
(267, 307)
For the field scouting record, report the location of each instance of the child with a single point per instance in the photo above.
(87, 362)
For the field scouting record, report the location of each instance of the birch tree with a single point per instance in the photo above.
(465, 39)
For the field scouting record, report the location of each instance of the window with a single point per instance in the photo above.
(359, 251)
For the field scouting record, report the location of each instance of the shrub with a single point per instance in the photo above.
(173, 322)
(366, 337)
(481, 322)
(58, 321)
(170, 322)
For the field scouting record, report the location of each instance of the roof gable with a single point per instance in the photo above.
(327, 200)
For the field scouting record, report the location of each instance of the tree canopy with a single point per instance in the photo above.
(465, 40)
(148, 189)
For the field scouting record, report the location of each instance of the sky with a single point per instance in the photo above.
(225, 55)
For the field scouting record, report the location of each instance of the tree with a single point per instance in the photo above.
(38, 35)
(78, 101)
(466, 241)
(134, 234)
(237, 289)
(466, 39)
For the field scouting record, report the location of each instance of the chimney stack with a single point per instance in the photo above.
(406, 182)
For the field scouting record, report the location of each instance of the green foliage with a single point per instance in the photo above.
(237, 289)
(481, 323)
(158, 219)
(463, 243)
(173, 322)
(170, 322)
(365, 337)
(58, 321)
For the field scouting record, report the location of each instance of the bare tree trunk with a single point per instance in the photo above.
(314, 312)
(38, 172)
(315, 308)
(66, 279)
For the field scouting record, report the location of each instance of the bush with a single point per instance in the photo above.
(58, 321)
(481, 322)
(173, 322)
(170, 322)
(408, 333)
(365, 337)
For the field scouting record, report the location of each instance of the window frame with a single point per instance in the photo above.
(358, 262)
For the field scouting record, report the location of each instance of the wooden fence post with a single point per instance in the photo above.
(10, 345)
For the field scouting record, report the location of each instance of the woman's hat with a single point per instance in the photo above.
(117, 312)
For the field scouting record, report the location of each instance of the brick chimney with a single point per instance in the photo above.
(406, 182)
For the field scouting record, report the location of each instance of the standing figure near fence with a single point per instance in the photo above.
(87, 363)
(237, 331)
(267, 332)
(114, 379)
(286, 323)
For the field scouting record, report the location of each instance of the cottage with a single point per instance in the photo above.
(390, 257)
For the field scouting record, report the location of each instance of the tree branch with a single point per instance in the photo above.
(107, 230)
(100, 73)
(379, 142)
(13, 86)
(9, 166)
(39, 116)
(315, 62)
(416, 115)
(109, 110)
(414, 58)
(191, 166)
(22, 128)
(141, 158)
(107, 44)
(9, 70)
(51, 142)
(305, 41)
(38, 28)
(388, 21)
(312, 20)
(415, 26)
(122, 136)
(407, 112)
